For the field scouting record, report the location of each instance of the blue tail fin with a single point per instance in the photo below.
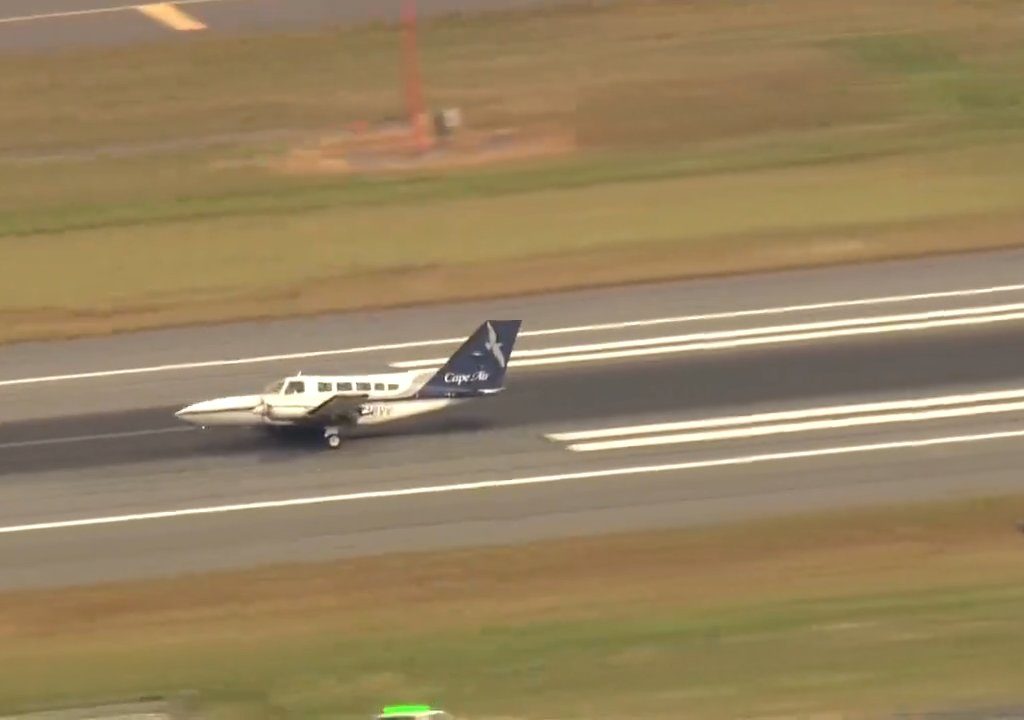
(479, 365)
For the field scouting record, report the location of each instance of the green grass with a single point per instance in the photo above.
(227, 254)
(856, 612)
(705, 139)
(876, 654)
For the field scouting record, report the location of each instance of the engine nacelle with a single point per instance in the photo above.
(277, 412)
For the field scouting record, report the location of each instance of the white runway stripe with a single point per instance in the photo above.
(775, 333)
(57, 14)
(572, 355)
(796, 427)
(799, 414)
(623, 325)
(91, 438)
(636, 470)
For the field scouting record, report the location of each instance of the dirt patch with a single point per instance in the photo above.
(393, 149)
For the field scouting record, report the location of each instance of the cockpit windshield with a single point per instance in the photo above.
(273, 388)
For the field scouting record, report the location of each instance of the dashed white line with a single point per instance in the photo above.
(516, 482)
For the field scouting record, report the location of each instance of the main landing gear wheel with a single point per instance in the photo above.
(333, 437)
(334, 434)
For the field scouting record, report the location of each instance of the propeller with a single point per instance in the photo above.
(264, 408)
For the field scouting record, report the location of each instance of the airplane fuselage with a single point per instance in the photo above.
(383, 398)
(337, 403)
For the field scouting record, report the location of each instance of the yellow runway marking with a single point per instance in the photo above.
(60, 14)
(171, 16)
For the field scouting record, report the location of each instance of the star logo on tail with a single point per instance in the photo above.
(494, 346)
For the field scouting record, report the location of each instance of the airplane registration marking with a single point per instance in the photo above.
(377, 410)
(634, 470)
(526, 360)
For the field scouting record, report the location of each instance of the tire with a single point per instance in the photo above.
(334, 441)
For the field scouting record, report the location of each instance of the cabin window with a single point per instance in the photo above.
(362, 386)
(392, 386)
(378, 386)
(345, 387)
(295, 387)
(324, 387)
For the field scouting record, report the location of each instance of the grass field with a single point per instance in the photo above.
(856, 613)
(138, 185)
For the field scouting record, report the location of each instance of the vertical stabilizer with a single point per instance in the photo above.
(479, 365)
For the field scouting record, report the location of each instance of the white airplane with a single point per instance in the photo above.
(336, 404)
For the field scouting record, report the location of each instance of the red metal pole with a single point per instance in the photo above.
(413, 80)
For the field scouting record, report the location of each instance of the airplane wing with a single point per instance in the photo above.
(334, 408)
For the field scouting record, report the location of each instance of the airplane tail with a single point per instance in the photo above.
(479, 365)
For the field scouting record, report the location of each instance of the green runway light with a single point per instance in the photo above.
(404, 709)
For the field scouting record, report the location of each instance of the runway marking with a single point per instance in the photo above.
(94, 11)
(630, 324)
(172, 16)
(516, 482)
(782, 310)
(795, 427)
(89, 438)
(800, 414)
(225, 363)
(749, 336)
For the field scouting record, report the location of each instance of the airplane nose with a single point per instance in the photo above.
(233, 410)
(185, 411)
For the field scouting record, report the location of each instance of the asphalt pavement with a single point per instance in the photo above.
(98, 480)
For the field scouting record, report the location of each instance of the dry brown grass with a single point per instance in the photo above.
(530, 275)
(829, 555)
(851, 610)
(689, 119)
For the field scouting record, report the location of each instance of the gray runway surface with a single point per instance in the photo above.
(711, 384)
(76, 448)
(44, 25)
